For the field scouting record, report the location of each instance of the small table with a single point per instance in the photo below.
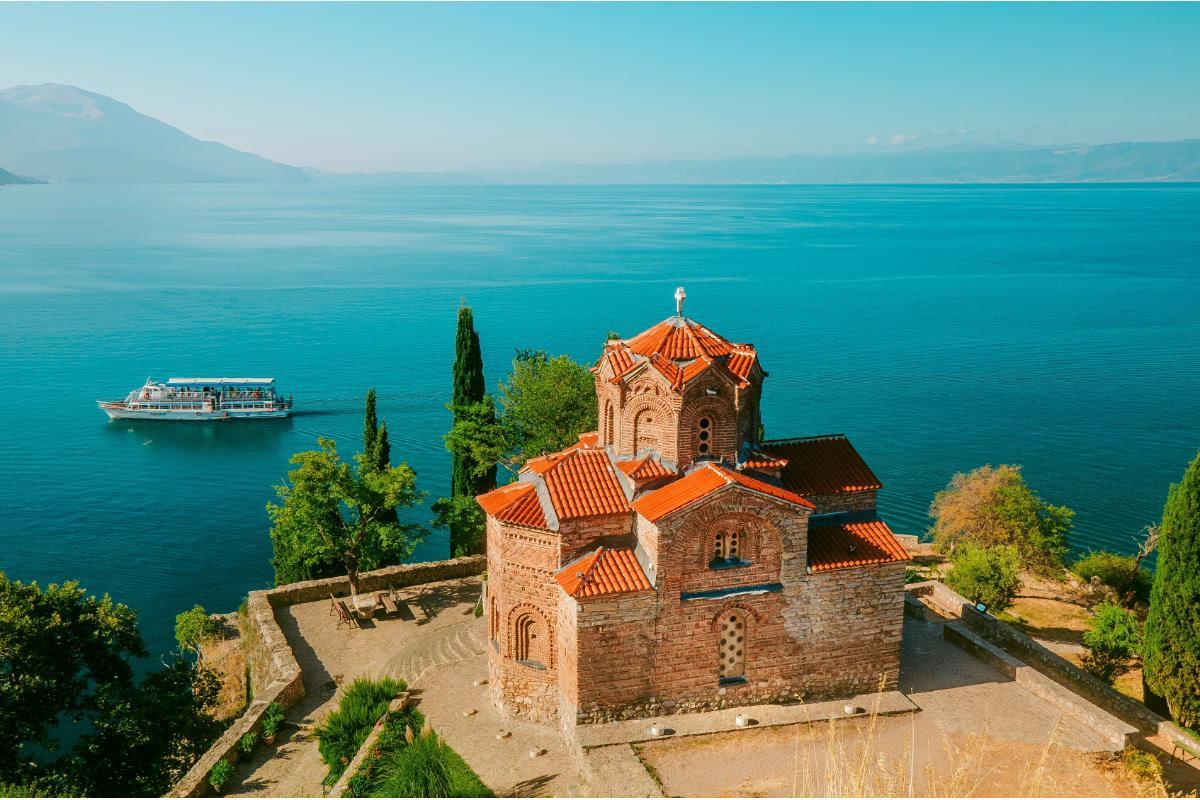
(365, 605)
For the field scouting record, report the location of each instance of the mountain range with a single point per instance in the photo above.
(63, 133)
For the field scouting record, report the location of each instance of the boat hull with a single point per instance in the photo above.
(118, 412)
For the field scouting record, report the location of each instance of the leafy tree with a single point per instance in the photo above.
(995, 506)
(1172, 653)
(547, 402)
(144, 739)
(1121, 573)
(464, 516)
(986, 575)
(1113, 638)
(335, 514)
(58, 649)
(193, 628)
(65, 657)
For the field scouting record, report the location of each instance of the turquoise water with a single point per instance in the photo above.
(940, 327)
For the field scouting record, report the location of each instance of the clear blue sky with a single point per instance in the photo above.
(441, 86)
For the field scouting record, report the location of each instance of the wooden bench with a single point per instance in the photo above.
(1186, 752)
(389, 605)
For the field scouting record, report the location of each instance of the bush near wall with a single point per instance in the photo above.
(342, 732)
(406, 763)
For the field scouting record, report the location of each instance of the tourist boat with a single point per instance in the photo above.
(201, 399)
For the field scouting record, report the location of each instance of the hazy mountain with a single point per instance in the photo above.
(960, 163)
(396, 178)
(67, 134)
(8, 177)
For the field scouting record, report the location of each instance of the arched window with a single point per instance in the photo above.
(732, 649)
(531, 644)
(493, 620)
(644, 435)
(609, 433)
(728, 547)
(704, 434)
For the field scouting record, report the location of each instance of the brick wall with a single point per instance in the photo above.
(846, 501)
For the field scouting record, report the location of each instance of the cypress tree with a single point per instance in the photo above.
(383, 448)
(1172, 641)
(370, 428)
(467, 393)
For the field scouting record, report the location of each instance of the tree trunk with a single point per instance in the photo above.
(1155, 702)
(352, 576)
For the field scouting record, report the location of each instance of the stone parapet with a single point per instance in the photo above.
(283, 681)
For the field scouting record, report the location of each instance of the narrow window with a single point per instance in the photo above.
(732, 653)
(704, 435)
(494, 619)
(727, 550)
(608, 423)
(644, 435)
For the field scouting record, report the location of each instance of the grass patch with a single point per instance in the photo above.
(406, 763)
(1144, 768)
(342, 732)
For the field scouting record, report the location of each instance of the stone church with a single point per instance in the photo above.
(672, 562)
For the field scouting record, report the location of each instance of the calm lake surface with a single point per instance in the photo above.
(941, 328)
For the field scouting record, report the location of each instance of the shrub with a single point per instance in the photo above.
(272, 716)
(371, 778)
(1112, 639)
(247, 742)
(987, 575)
(220, 774)
(1143, 767)
(1121, 573)
(342, 732)
(194, 627)
(420, 769)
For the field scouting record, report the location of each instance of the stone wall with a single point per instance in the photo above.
(283, 681)
(614, 636)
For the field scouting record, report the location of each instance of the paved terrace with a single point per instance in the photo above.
(977, 733)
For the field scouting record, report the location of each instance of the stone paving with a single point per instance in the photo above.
(977, 732)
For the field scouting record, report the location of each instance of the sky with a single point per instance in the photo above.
(378, 86)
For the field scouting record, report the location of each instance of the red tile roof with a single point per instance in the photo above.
(517, 503)
(581, 483)
(822, 465)
(681, 350)
(604, 571)
(645, 469)
(679, 339)
(852, 544)
(702, 481)
(762, 461)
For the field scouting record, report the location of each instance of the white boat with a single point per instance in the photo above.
(201, 399)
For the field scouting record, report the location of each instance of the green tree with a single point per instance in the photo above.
(370, 429)
(547, 402)
(58, 649)
(1171, 658)
(995, 506)
(470, 474)
(468, 477)
(144, 739)
(1113, 638)
(193, 628)
(65, 658)
(465, 519)
(988, 575)
(1121, 573)
(335, 514)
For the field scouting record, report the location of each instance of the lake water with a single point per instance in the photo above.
(941, 328)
